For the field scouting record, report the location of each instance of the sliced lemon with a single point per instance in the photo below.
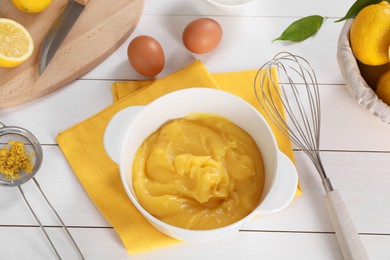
(16, 43)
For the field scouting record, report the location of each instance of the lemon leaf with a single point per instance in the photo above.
(356, 7)
(301, 29)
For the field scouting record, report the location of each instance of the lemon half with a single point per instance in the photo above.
(16, 43)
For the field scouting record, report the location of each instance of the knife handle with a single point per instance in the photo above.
(82, 2)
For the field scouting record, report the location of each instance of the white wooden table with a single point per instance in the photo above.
(355, 145)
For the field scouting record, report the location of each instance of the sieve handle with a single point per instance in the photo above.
(346, 233)
(59, 218)
(40, 224)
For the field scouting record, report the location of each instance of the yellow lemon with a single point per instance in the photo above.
(31, 6)
(383, 87)
(16, 43)
(370, 34)
(371, 74)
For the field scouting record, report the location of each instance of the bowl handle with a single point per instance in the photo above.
(116, 130)
(283, 188)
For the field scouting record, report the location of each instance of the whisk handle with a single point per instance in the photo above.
(346, 233)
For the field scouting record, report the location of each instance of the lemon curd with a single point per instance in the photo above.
(198, 172)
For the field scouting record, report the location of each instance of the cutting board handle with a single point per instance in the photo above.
(82, 2)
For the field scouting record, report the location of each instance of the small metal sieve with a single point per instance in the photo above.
(34, 151)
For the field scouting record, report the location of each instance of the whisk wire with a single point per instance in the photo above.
(314, 99)
(299, 103)
(304, 124)
(264, 97)
(271, 95)
(301, 123)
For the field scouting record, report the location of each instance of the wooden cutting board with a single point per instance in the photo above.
(100, 29)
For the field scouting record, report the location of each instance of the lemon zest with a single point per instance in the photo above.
(13, 159)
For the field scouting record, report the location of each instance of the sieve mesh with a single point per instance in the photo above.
(33, 150)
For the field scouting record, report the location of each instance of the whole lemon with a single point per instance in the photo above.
(371, 74)
(370, 34)
(383, 87)
(31, 6)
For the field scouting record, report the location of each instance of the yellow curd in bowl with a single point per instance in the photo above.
(198, 172)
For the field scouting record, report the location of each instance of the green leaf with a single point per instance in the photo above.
(301, 29)
(356, 7)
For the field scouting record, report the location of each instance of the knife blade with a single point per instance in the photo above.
(57, 33)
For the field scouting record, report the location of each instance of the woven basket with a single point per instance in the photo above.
(355, 83)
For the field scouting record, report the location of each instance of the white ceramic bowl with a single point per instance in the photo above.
(131, 126)
(354, 81)
(230, 6)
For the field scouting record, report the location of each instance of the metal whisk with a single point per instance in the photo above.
(287, 90)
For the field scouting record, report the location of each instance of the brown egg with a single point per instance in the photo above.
(146, 55)
(202, 35)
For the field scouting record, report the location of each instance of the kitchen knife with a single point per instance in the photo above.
(58, 31)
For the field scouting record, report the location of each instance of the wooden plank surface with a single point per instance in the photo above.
(246, 44)
(355, 146)
(103, 243)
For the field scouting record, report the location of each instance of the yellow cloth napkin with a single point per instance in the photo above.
(82, 146)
